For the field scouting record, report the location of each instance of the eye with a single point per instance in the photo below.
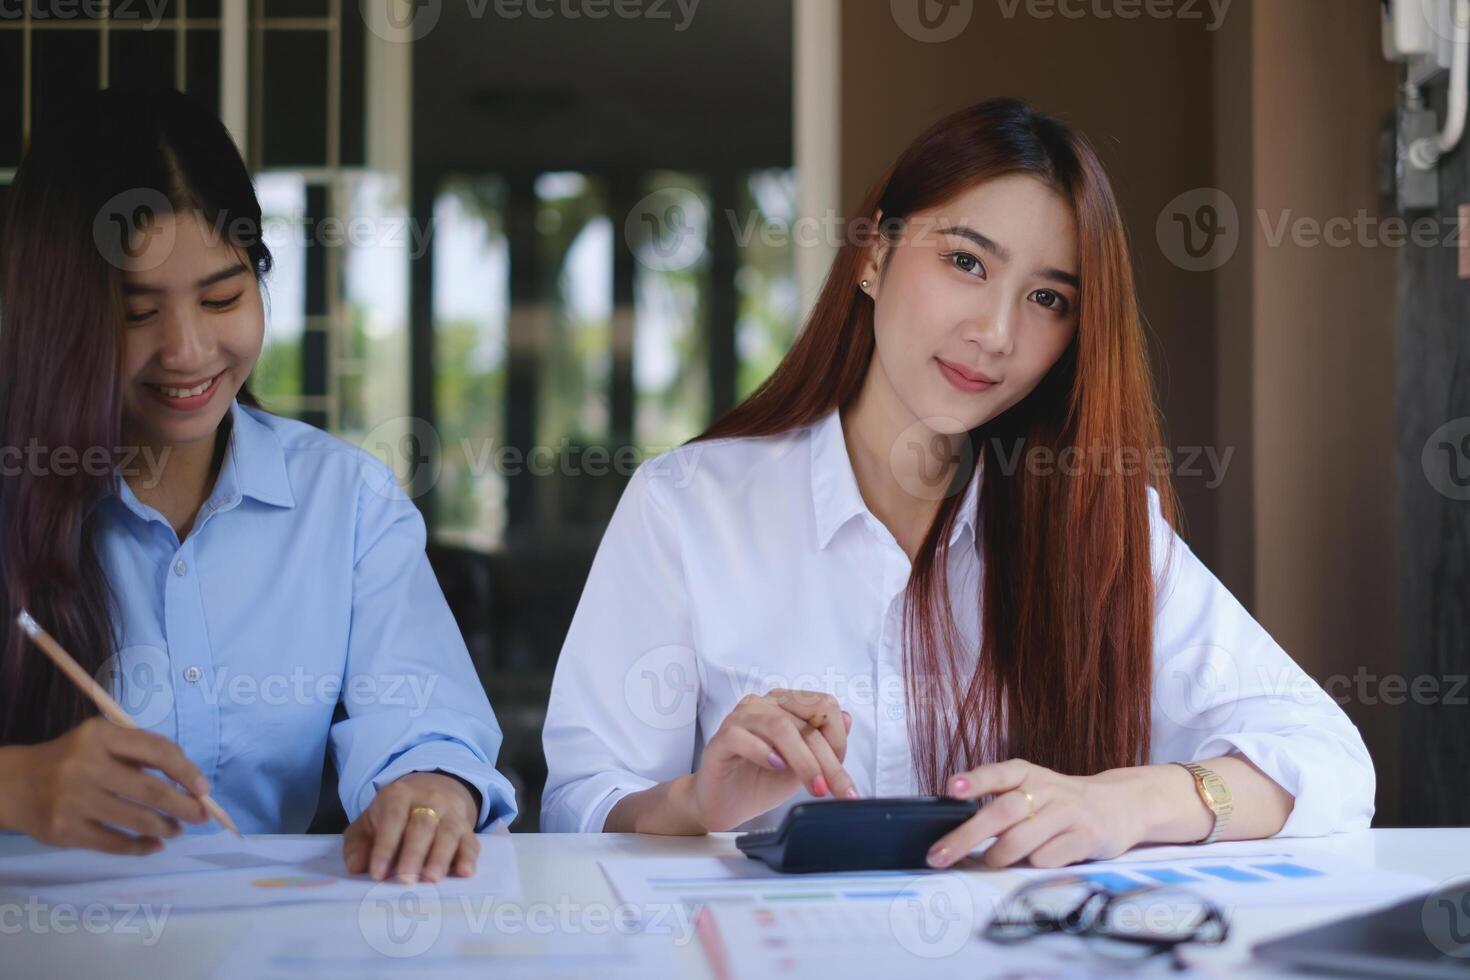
(966, 263)
(140, 317)
(223, 304)
(1052, 300)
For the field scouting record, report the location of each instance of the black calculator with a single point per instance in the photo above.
(857, 835)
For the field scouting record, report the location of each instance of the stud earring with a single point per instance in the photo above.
(865, 284)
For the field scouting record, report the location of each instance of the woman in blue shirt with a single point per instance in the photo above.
(255, 591)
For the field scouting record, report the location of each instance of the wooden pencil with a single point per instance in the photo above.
(104, 701)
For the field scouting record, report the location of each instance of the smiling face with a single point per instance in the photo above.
(192, 331)
(976, 303)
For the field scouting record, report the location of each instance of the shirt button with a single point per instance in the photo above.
(180, 569)
(192, 675)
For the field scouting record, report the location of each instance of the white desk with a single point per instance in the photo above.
(556, 867)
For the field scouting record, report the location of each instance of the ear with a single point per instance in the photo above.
(873, 254)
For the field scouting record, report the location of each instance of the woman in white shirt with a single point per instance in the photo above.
(934, 553)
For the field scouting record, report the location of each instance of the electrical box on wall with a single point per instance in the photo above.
(1419, 32)
(1430, 38)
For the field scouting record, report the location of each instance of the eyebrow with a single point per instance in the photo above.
(1004, 254)
(137, 289)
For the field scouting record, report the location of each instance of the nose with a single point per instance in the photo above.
(188, 344)
(992, 329)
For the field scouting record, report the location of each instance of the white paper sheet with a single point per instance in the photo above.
(653, 884)
(221, 871)
(192, 852)
(450, 947)
(760, 941)
(755, 922)
(1268, 876)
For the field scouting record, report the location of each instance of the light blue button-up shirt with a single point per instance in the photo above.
(303, 585)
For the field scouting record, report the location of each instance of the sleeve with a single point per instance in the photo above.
(1222, 686)
(625, 694)
(412, 698)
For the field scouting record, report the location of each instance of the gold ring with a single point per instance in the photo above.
(424, 809)
(1030, 803)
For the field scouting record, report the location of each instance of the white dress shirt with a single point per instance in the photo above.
(740, 565)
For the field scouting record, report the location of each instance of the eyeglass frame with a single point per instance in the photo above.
(1082, 920)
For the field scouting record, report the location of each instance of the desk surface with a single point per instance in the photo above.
(558, 867)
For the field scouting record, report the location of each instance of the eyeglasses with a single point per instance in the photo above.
(1136, 923)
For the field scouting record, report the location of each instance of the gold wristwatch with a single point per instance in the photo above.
(1215, 793)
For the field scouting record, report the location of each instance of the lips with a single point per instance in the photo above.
(965, 379)
(187, 396)
(967, 374)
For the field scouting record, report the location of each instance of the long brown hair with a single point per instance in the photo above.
(1064, 674)
(123, 155)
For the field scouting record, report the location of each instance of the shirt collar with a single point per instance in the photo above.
(254, 466)
(835, 494)
(835, 491)
(255, 462)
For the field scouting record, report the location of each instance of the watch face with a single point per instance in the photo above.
(1219, 794)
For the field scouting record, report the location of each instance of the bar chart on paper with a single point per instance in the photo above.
(700, 881)
(1266, 878)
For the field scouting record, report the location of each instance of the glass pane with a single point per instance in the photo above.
(471, 304)
(277, 376)
(769, 302)
(302, 8)
(147, 11)
(576, 350)
(51, 11)
(354, 78)
(64, 65)
(207, 9)
(141, 59)
(671, 303)
(372, 362)
(201, 65)
(10, 95)
(294, 113)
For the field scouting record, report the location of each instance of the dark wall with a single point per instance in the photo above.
(1434, 509)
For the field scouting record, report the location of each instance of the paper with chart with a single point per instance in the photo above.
(927, 938)
(1260, 876)
(653, 884)
(452, 946)
(191, 852)
(755, 922)
(219, 871)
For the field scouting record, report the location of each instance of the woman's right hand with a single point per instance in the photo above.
(759, 757)
(89, 789)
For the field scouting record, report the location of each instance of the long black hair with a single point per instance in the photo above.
(87, 188)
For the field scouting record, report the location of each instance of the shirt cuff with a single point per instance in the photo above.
(582, 808)
(1332, 790)
(497, 796)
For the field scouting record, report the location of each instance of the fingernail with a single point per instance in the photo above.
(408, 879)
(776, 761)
(939, 857)
(201, 786)
(961, 784)
(847, 719)
(851, 793)
(819, 786)
(379, 870)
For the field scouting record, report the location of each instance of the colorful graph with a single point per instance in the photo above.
(293, 881)
(1244, 873)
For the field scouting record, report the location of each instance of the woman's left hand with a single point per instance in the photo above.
(396, 835)
(1067, 819)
